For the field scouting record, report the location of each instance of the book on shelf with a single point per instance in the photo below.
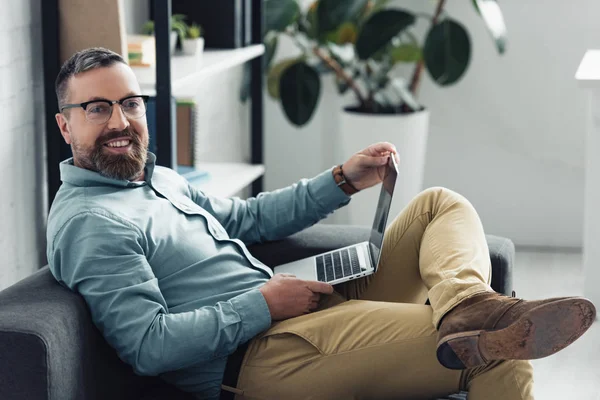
(185, 124)
(141, 50)
(186, 114)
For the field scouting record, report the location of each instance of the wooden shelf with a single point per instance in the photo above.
(226, 179)
(188, 71)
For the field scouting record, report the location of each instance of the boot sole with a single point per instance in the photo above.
(540, 332)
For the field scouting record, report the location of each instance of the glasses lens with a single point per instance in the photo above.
(134, 107)
(98, 112)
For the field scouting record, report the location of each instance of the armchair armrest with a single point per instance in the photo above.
(323, 237)
(49, 349)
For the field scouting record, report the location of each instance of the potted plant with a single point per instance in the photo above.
(178, 30)
(193, 43)
(360, 43)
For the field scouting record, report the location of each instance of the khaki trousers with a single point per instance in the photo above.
(375, 338)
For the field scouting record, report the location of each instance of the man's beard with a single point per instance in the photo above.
(128, 166)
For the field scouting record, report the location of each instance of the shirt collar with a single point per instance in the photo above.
(69, 173)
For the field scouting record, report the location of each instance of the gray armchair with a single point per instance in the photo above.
(49, 348)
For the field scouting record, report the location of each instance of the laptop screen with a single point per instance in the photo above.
(383, 209)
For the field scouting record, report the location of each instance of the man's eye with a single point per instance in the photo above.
(131, 104)
(97, 110)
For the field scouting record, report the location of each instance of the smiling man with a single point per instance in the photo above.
(169, 281)
(115, 147)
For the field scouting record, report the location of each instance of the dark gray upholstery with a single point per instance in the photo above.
(49, 349)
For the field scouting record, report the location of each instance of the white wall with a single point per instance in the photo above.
(137, 12)
(509, 136)
(22, 154)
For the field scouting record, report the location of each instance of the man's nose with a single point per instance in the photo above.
(118, 120)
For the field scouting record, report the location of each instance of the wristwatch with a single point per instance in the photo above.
(342, 183)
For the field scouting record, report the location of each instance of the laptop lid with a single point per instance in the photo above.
(383, 209)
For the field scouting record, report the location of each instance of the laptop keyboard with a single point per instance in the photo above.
(336, 265)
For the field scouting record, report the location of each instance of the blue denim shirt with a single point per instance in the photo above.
(164, 268)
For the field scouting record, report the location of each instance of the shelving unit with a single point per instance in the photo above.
(187, 72)
(171, 77)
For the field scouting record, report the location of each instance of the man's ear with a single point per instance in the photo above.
(63, 125)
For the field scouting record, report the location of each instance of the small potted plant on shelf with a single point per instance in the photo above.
(360, 43)
(178, 30)
(193, 43)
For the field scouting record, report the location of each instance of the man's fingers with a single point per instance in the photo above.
(381, 147)
(313, 305)
(373, 161)
(319, 287)
(315, 297)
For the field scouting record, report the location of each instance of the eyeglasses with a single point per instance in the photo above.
(100, 111)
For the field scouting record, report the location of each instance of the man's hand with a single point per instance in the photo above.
(289, 297)
(367, 167)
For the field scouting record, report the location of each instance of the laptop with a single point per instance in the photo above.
(354, 261)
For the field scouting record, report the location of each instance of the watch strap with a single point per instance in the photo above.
(341, 182)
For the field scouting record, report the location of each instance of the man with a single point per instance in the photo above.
(172, 287)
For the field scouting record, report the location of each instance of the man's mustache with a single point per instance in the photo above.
(125, 133)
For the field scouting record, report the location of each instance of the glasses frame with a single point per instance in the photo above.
(110, 103)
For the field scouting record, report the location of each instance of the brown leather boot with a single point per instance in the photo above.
(490, 326)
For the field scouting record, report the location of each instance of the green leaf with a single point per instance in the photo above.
(271, 40)
(279, 14)
(274, 76)
(379, 4)
(345, 33)
(333, 13)
(300, 88)
(494, 21)
(148, 28)
(180, 27)
(379, 30)
(447, 52)
(407, 52)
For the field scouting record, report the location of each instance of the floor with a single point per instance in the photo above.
(573, 373)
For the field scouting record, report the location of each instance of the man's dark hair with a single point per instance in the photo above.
(84, 60)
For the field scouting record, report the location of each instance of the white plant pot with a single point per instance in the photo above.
(193, 47)
(408, 132)
(173, 41)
